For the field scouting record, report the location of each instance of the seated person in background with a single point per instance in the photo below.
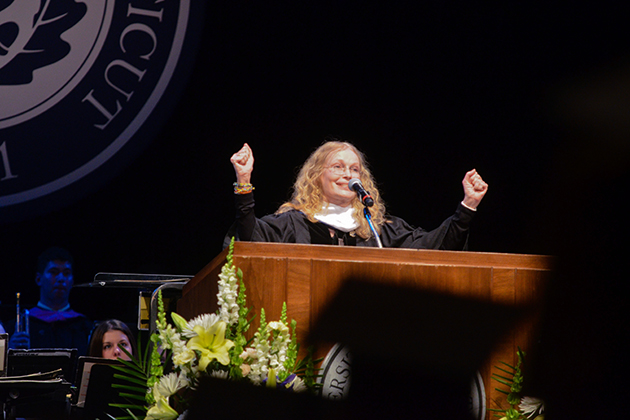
(107, 339)
(52, 324)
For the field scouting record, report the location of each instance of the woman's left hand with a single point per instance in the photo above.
(474, 189)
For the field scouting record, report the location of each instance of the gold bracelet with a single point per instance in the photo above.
(245, 188)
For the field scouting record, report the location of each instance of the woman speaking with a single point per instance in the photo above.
(324, 210)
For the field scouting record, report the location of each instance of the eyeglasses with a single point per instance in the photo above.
(339, 169)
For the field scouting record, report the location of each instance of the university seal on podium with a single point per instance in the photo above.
(336, 374)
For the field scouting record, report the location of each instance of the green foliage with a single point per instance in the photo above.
(156, 370)
(305, 368)
(133, 387)
(292, 351)
(512, 378)
(263, 332)
(238, 333)
(230, 255)
(161, 315)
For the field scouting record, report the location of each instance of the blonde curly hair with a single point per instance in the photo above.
(308, 196)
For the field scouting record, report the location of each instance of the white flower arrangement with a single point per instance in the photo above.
(214, 345)
(228, 294)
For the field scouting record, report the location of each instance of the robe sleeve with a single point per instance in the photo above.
(270, 228)
(451, 235)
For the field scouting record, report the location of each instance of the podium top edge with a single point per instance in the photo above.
(392, 255)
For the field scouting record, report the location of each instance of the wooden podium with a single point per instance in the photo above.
(306, 277)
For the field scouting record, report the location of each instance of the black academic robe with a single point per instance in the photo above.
(71, 332)
(294, 227)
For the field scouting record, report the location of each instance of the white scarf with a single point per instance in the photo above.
(338, 217)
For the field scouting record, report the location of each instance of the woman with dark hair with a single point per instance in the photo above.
(107, 339)
(324, 210)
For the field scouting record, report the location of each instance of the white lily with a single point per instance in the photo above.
(161, 411)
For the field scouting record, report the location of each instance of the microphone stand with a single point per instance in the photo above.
(368, 216)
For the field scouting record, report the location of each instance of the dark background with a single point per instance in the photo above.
(534, 95)
(427, 91)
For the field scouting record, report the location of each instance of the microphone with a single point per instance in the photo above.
(355, 185)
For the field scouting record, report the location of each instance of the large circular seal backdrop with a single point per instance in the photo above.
(83, 87)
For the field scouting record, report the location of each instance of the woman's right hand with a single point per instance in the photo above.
(243, 162)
